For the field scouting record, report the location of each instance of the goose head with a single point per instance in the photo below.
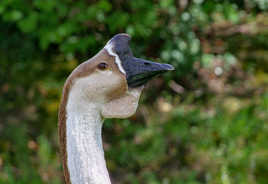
(113, 79)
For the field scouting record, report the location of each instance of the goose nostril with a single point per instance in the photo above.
(147, 64)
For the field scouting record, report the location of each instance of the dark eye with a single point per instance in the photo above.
(102, 66)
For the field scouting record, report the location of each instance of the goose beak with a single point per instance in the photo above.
(140, 71)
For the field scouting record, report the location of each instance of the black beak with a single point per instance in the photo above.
(140, 71)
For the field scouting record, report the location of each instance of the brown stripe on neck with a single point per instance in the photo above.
(62, 131)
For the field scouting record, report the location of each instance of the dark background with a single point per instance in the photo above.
(206, 122)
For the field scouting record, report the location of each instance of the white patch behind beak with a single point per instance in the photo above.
(109, 48)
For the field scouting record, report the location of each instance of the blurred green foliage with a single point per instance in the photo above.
(207, 123)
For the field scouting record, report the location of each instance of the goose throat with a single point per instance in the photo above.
(85, 155)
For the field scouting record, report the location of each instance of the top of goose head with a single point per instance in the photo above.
(113, 79)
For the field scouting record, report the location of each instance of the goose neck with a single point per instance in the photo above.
(85, 155)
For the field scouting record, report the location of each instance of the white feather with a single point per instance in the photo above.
(109, 48)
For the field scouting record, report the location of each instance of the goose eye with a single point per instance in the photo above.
(102, 66)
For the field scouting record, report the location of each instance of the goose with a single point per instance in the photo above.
(108, 85)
